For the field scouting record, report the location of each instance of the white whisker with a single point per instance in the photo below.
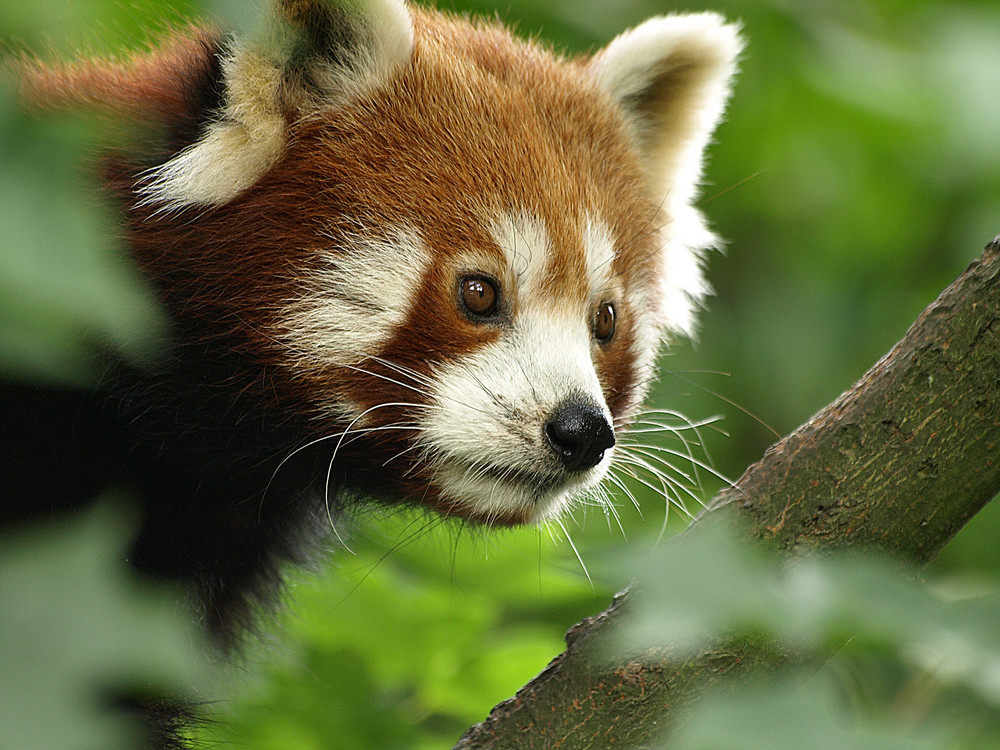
(336, 449)
(403, 370)
(576, 552)
(614, 479)
(642, 457)
(386, 378)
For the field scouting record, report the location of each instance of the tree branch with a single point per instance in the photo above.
(899, 463)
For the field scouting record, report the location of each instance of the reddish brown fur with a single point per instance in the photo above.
(430, 149)
(150, 83)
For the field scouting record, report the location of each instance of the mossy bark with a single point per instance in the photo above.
(903, 459)
(898, 463)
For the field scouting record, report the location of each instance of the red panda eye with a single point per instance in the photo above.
(479, 296)
(604, 322)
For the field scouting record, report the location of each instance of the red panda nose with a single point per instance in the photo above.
(579, 433)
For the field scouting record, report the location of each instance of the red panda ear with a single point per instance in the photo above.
(671, 77)
(311, 54)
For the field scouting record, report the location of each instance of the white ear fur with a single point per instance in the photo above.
(383, 41)
(671, 77)
(296, 66)
(235, 151)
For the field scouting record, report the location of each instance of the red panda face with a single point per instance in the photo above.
(453, 251)
(482, 305)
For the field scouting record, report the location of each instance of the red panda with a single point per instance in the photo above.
(406, 258)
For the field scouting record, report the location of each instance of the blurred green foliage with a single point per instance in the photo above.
(855, 176)
(914, 667)
(77, 629)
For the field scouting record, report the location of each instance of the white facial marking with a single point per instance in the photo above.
(358, 299)
(683, 286)
(600, 253)
(528, 249)
(485, 433)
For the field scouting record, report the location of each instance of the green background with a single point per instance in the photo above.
(857, 174)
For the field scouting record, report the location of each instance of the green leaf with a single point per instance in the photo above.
(76, 628)
(792, 714)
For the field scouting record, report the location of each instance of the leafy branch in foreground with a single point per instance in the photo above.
(77, 632)
(897, 465)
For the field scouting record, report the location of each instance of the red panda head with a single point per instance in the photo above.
(456, 252)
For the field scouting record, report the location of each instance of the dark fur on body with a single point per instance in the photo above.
(215, 511)
(197, 439)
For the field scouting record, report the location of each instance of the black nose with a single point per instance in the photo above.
(579, 433)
